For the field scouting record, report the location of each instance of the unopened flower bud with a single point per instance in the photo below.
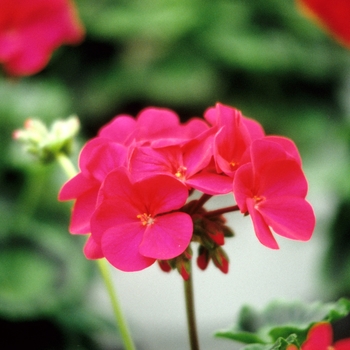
(203, 258)
(220, 259)
(164, 265)
(46, 143)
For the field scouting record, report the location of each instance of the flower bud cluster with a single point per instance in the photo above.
(133, 191)
(44, 143)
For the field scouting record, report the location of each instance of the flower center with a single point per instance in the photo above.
(234, 165)
(146, 219)
(180, 172)
(257, 200)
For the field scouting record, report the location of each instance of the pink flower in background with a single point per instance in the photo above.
(272, 189)
(333, 15)
(320, 337)
(30, 30)
(137, 223)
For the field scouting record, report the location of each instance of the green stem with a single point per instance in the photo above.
(123, 328)
(70, 170)
(66, 165)
(191, 317)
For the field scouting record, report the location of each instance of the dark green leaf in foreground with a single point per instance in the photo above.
(281, 323)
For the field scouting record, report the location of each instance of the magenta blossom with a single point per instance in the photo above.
(97, 159)
(272, 189)
(137, 174)
(189, 163)
(30, 30)
(158, 127)
(234, 136)
(137, 223)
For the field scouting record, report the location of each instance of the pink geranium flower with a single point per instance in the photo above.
(137, 223)
(272, 189)
(30, 30)
(188, 163)
(320, 337)
(235, 134)
(158, 127)
(97, 159)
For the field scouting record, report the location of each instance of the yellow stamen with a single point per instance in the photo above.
(180, 172)
(146, 219)
(257, 200)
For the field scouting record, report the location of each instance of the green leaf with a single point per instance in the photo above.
(280, 319)
(280, 344)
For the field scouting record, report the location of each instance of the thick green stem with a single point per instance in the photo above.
(66, 165)
(190, 310)
(123, 328)
(70, 170)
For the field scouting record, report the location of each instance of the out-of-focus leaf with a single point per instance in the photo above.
(280, 319)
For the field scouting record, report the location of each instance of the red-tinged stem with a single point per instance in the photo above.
(201, 201)
(190, 310)
(221, 211)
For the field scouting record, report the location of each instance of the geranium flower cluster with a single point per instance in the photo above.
(133, 191)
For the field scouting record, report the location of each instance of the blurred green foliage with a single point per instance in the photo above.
(261, 57)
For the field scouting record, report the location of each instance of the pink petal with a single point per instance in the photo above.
(288, 145)
(82, 211)
(119, 129)
(197, 153)
(92, 250)
(343, 344)
(210, 115)
(320, 337)
(146, 161)
(117, 186)
(105, 158)
(75, 187)
(168, 237)
(262, 231)
(290, 217)
(281, 178)
(87, 151)
(120, 246)
(254, 128)
(156, 123)
(211, 183)
(113, 213)
(264, 151)
(194, 127)
(36, 28)
(243, 186)
(161, 194)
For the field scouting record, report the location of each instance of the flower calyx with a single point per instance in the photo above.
(182, 263)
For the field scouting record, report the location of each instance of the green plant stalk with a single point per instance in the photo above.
(190, 310)
(70, 170)
(123, 328)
